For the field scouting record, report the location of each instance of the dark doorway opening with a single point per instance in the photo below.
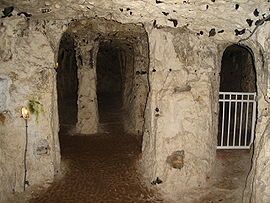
(109, 84)
(237, 70)
(237, 99)
(237, 117)
(67, 85)
(95, 165)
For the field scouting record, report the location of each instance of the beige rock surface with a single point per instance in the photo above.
(28, 71)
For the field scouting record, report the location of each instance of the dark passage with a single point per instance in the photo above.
(67, 84)
(232, 165)
(237, 70)
(109, 84)
(100, 167)
(237, 75)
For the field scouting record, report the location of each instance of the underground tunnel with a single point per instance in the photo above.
(116, 69)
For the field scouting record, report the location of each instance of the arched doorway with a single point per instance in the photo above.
(237, 99)
(67, 85)
(112, 68)
(236, 126)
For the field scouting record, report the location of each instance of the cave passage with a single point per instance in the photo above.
(237, 83)
(67, 85)
(237, 70)
(109, 84)
(100, 167)
(236, 121)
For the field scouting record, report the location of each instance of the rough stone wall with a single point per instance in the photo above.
(87, 98)
(183, 110)
(180, 109)
(181, 115)
(248, 82)
(26, 73)
(258, 187)
(137, 85)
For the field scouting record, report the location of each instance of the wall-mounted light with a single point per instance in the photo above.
(25, 115)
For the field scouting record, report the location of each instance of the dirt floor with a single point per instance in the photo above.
(94, 174)
(100, 167)
(228, 181)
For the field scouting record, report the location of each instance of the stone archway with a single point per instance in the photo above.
(238, 71)
(99, 47)
(233, 158)
(237, 99)
(132, 44)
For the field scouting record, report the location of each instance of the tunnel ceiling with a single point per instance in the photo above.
(115, 45)
(210, 16)
(107, 29)
(107, 33)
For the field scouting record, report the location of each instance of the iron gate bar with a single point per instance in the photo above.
(247, 102)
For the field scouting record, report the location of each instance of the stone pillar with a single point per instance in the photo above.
(178, 113)
(87, 98)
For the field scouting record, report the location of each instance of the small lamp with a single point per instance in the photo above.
(25, 115)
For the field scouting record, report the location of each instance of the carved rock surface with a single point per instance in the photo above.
(176, 159)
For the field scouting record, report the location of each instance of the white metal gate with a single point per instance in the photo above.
(236, 120)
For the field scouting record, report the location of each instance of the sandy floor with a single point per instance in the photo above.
(94, 174)
(228, 181)
(101, 168)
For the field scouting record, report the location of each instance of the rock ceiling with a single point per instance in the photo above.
(212, 17)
